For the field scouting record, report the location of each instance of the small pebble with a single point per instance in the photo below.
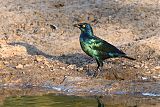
(137, 66)
(62, 68)
(71, 66)
(19, 66)
(53, 27)
(5, 62)
(39, 58)
(144, 78)
(42, 67)
(148, 72)
(81, 69)
(156, 77)
(145, 66)
(28, 65)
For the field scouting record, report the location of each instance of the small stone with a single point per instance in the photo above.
(156, 77)
(62, 68)
(39, 58)
(19, 66)
(124, 67)
(145, 66)
(71, 66)
(6, 62)
(28, 65)
(23, 72)
(81, 69)
(148, 72)
(109, 18)
(52, 69)
(47, 63)
(144, 78)
(53, 27)
(137, 66)
(142, 65)
(42, 67)
(123, 64)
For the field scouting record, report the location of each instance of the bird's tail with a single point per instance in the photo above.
(129, 58)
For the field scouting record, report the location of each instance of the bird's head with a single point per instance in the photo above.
(84, 27)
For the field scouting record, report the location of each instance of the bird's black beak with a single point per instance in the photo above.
(76, 25)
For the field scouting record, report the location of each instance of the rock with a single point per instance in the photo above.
(53, 27)
(42, 67)
(137, 66)
(144, 78)
(47, 63)
(27, 65)
(81, 69)
(19, 66)
(148, 72)
(156, 77)
(58, 5)
(39, 58)
(145, 66)
(6, 62)
(62, 68)
(72, 66)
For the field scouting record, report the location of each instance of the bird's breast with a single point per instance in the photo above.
(87, 49)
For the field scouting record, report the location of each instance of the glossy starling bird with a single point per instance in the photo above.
(97, 48)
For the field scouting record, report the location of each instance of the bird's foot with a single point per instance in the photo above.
(89, 72)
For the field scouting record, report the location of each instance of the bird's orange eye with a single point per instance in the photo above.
(83, 26)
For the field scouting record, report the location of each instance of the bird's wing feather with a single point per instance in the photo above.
(103, 46)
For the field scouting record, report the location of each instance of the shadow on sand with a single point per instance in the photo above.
(77, 59)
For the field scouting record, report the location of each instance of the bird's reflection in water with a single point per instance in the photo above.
(100, 103)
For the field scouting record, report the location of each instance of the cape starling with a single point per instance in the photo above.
(97, 48)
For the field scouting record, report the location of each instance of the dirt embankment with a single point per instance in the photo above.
(40, 47)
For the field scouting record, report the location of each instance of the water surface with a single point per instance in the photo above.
(59, 100)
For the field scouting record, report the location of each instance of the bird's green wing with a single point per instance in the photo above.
(103, 46)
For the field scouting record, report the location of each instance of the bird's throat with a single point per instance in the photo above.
(87, 33)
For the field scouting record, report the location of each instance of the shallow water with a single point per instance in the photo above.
(59, 100)
(49, 100)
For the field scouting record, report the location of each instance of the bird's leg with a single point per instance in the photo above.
(99, 67)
